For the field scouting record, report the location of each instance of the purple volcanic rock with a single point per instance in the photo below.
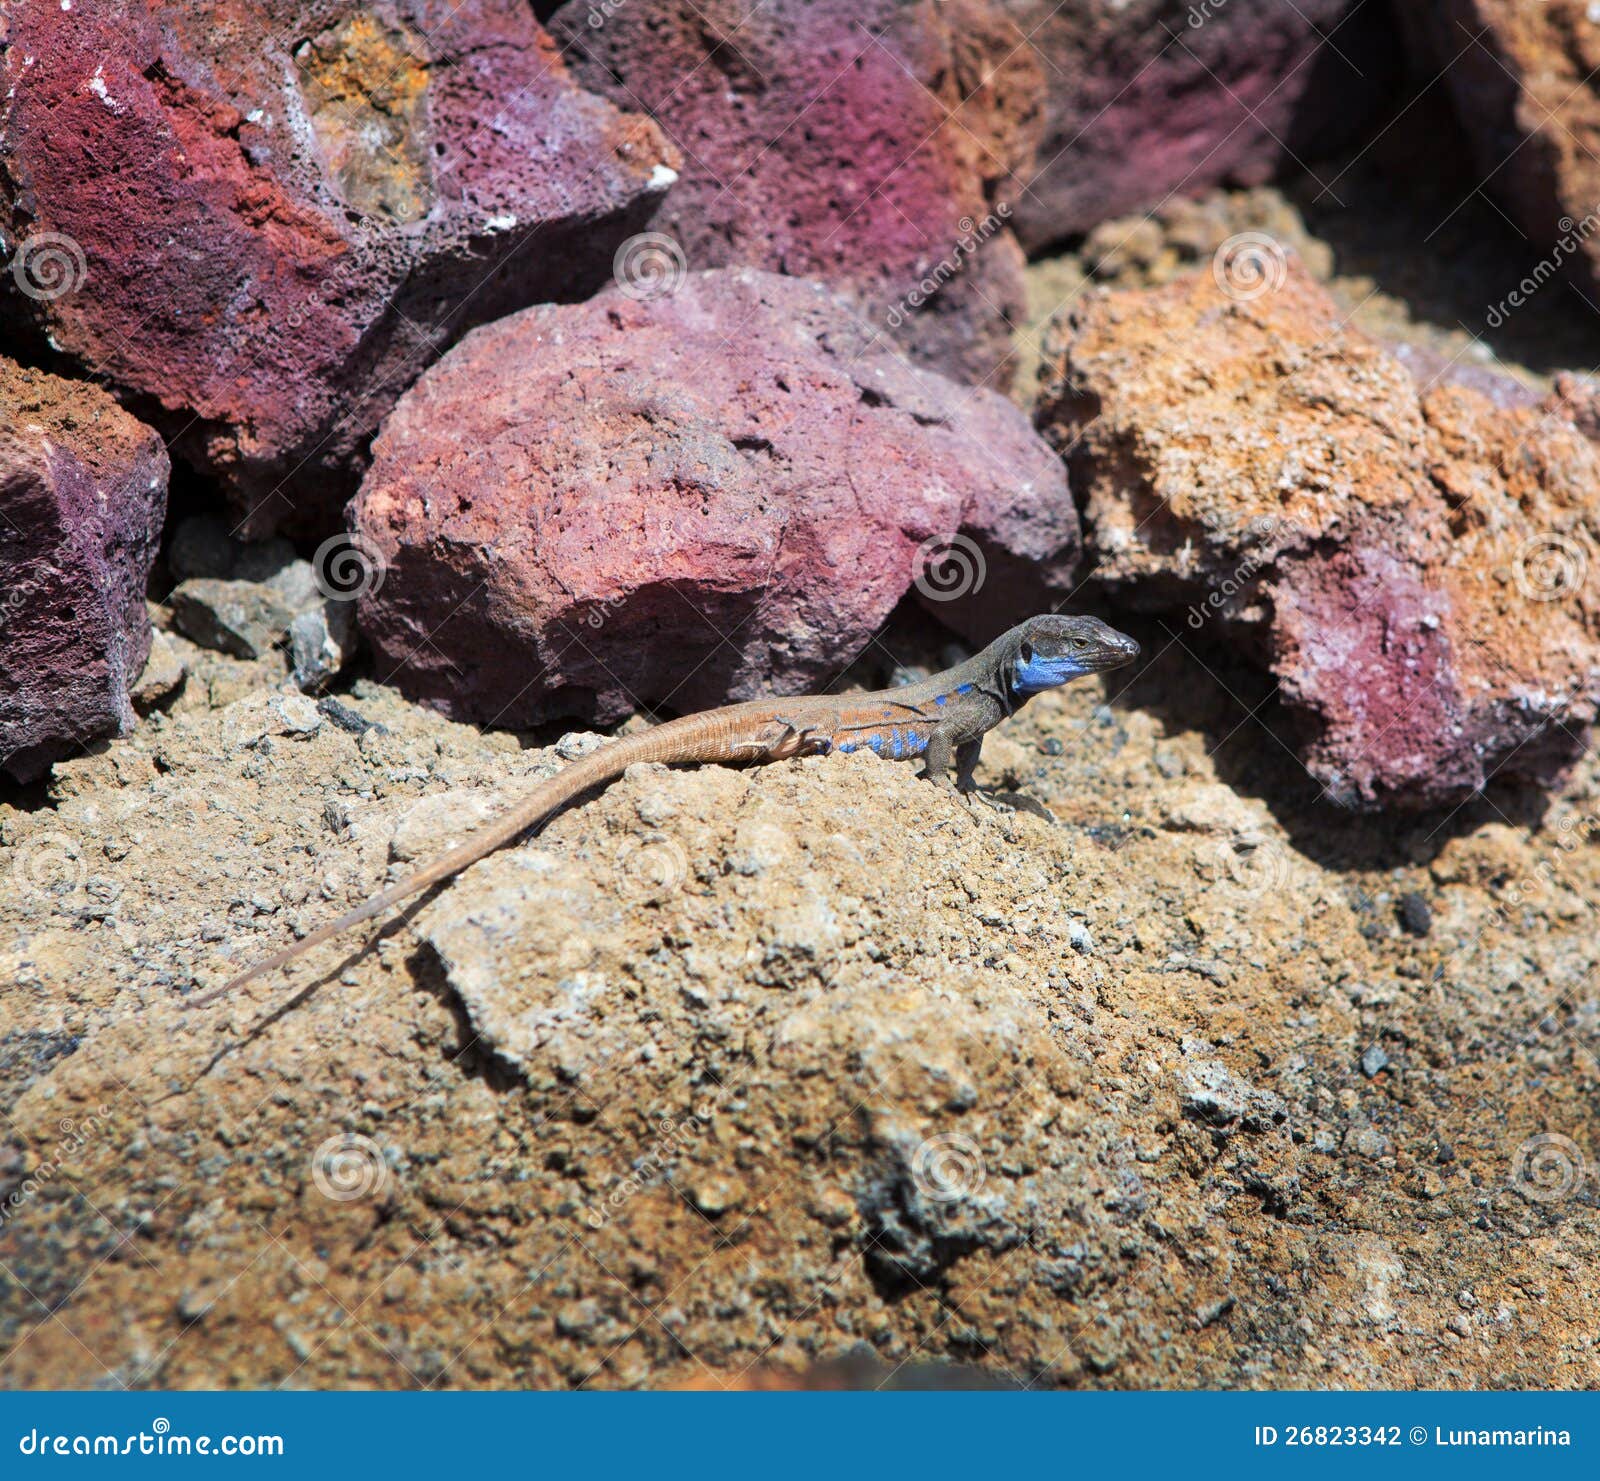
(855, 141)
(260, 221)
(681, 501)
(83, 488)
(1151, 98)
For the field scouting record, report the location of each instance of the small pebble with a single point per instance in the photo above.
(1416, 915)
(1373, 1061)
(1169, 762)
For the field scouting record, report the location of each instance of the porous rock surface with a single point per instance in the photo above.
(261, 221)
(1523, 78)
(1417, 567)
(1197, 92)
(688, 499)
(83, 489)
(861, 142)
(1151, 1082)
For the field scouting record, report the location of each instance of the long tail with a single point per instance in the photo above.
(601, 766)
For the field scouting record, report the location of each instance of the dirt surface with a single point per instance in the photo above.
(1172, 1075)
(1169, 1076)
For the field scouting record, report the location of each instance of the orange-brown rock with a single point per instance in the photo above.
(1523, 74)
(1416, 566)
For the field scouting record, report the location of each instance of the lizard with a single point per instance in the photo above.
(942, 720)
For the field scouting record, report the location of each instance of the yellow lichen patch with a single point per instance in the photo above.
(365, 87)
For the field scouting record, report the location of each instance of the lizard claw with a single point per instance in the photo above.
(972, 794)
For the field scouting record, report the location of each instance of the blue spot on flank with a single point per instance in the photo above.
(875, 744)
(846, 746)
(964, 689)
(942, 699)
(897, 746)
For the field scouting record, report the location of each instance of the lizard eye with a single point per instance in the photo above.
(1080, 642)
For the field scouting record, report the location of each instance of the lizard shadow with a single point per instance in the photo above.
(426, 971)
(1191, 683)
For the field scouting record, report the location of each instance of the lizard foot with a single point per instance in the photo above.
(972, 794)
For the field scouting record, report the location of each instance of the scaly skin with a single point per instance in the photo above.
(943, 720)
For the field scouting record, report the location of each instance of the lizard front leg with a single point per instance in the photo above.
(966, 763)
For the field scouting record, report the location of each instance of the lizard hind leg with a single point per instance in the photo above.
(967, 763)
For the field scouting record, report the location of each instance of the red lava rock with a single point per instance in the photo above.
(84, 491)
(687, 500)
(1420, 567)
(1147, 99)
(855, 141)
(259, 222)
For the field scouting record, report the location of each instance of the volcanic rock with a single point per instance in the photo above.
(1416, 566)
(83, 488)
(262, 221)
(690, 499)
(860, 142)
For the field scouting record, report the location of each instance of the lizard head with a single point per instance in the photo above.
(1053, 650)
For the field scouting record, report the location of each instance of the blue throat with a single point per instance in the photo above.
(1038, 674)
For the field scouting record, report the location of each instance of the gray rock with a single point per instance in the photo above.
(243, 618)
(321, 641)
